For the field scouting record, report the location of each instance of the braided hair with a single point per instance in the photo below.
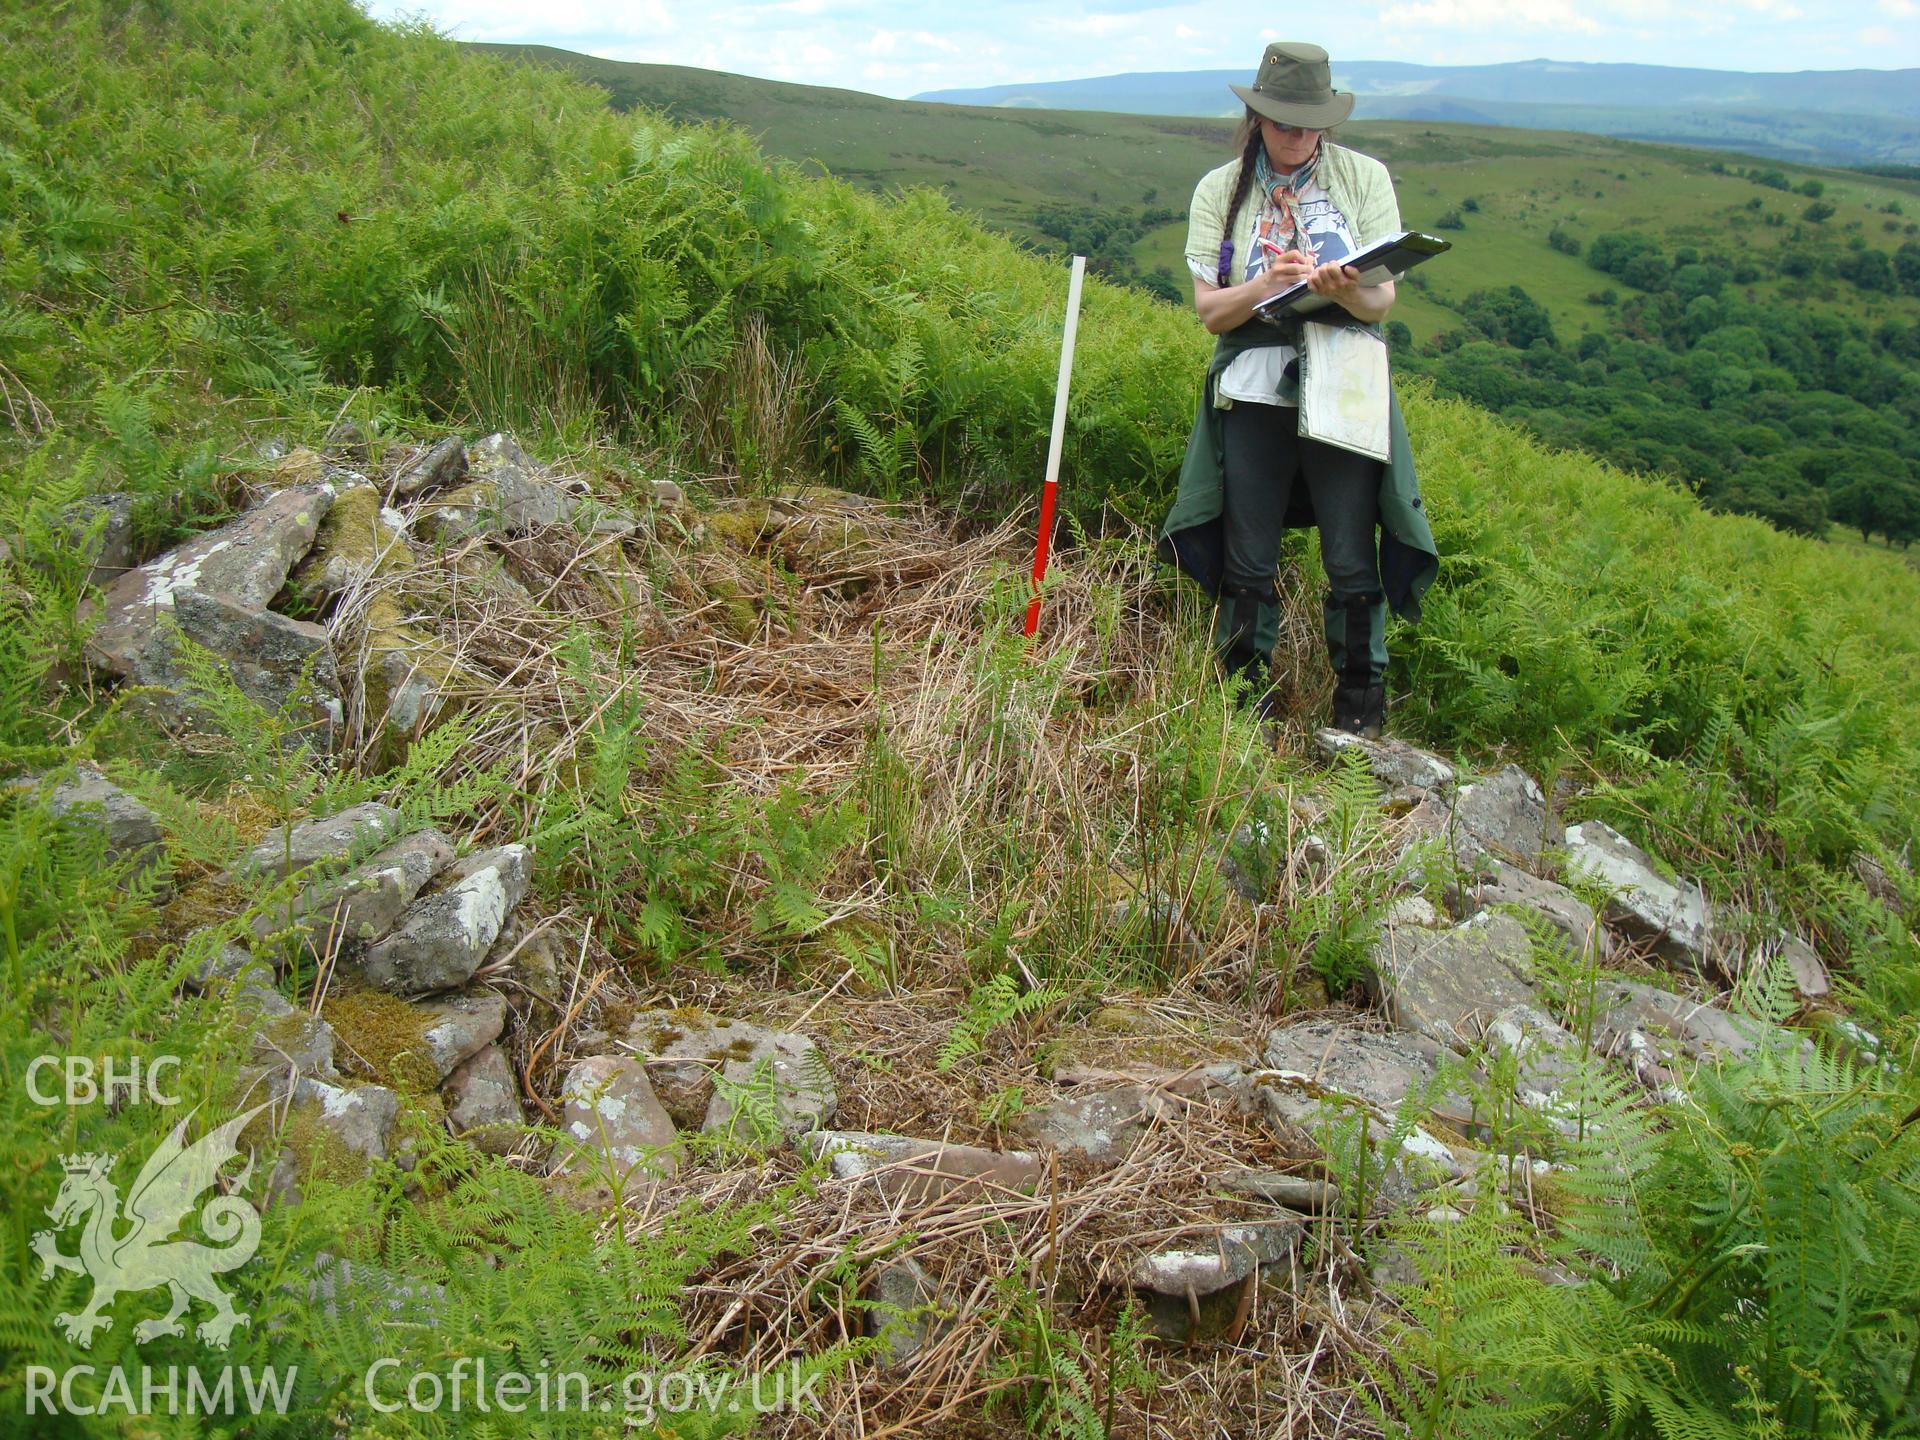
(1249, 138)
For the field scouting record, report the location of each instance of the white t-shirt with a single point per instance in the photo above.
(1259, 375)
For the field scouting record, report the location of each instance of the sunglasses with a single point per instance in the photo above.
(1294, 129)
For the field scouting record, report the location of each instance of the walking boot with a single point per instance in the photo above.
(1356, 647)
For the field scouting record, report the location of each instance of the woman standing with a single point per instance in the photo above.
(1289, 208)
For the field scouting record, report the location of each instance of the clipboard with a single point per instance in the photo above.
(1380, 262)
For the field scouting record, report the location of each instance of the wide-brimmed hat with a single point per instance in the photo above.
(1295, 87)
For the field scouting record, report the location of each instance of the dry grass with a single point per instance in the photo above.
(787, 633)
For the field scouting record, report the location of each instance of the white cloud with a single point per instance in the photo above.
(1486, 15)
(881, 45)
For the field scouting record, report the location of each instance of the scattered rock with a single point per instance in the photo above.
(1201, 1290)
(1564, 911)
(918, 1171)
(1506, 812)
(332, 1132)
(443, 936)
(88, 799)
(1414, 910)
(483, 1102)
(334, 839)
(1658, 1034)
(1101, 1128)
(1393, 762)
(507, 494)
(409, 677)
(442, 463)
(243, 563)
(665, 492)
(1645, 904)
(687, 1049)
(358, 908)
(616, 1120)
(1351, 1060)
(286, 1039)
(1461, 985)
(902, 1296)
(1303, 1115)
(461, 1026)
(1294, 1192)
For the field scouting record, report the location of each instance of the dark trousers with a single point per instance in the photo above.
(1264, 458)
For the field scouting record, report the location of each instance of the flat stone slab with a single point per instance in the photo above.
(916, 1171)
(1393, 762)
(1353, 1060)
(1506, 812)
(1553, 902)
(1646, 906)
(697, 1062)
(616, 1121)
(1460, 986)
(244, 563)
(444, 935)
(902, 1297)
(337, 838)
(1100, 1128)
(1272, 1187)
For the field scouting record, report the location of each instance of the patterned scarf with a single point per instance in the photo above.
(1283, 193)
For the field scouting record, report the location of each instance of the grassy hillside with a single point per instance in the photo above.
(849, 793)
(1007, 165)
(1820, 270)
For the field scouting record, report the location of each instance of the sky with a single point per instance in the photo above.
(900, 50)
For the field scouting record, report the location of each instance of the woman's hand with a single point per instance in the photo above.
(1341, 284)
(1228, 308)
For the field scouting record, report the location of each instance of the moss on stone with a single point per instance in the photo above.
(386, 1035)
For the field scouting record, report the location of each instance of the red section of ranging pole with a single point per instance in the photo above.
(1051, 486)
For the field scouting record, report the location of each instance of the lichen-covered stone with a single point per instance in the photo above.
(409, 678)
(1672, 917)
(440, 464)
(506, 494)
(243, 563)
(461, 1026)
(690, 1049)
(88, 799)
(1100, 1128)
(616, 1122)
(443, 936)
(1506, 812)
(1393, 762)
(902, 1299)
(1505, 885)
(1352, 1060)
(364, 904)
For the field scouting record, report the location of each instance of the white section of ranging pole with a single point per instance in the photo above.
(1066, 372)
(1044, 540)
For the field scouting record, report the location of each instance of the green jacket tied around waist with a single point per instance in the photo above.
(1193, 539)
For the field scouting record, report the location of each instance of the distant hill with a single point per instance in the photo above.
(1848, 117)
